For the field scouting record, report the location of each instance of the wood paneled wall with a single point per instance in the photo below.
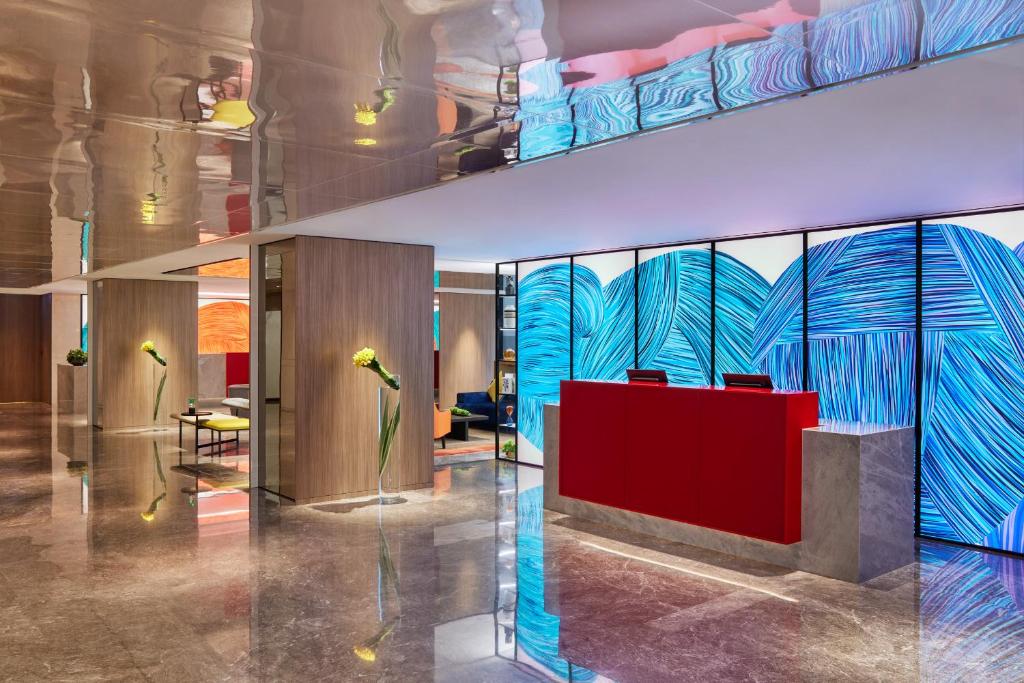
(466, 354)
(451, 278)
(350, 294)
(24, 348)
(125, 314)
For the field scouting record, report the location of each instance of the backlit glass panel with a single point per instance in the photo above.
(543, 358)
(603, 311)
(862, 319)
(972, 463)
(759, 308)
(675, 312)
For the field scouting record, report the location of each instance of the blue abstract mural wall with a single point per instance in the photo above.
(543, 359)
(674, 325)
(862, 342)
(862, 319)
(972, 456)
(602, 315)
(759, 323)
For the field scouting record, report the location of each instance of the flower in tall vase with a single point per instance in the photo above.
(149, 347)
(388, 485)
(367, 358)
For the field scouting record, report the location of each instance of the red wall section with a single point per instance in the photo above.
(236, 369)
(728, 459)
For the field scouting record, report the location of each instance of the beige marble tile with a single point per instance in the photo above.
(292, 593)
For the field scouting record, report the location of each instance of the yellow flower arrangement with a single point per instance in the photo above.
(364, 653)
(365, 115)
(367, 358)
(364, 357)
(367, 650)
(150, 512)
(149, 347)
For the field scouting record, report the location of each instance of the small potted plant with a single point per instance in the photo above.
(509, 449)
(77, 357)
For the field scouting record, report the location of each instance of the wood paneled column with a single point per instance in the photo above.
(126, 313)
(350, 294)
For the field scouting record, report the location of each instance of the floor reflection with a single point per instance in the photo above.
(123, 557)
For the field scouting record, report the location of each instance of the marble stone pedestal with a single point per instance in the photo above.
(72, 389)
(857, 504)
(857, 517)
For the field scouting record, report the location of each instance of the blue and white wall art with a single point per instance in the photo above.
(862, 303)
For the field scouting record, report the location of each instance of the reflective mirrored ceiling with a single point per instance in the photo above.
(135, 129)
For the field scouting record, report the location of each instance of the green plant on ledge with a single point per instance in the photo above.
(77, 357)
(509, 448)
(461, 412)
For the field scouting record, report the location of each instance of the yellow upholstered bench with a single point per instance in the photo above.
(225, 424)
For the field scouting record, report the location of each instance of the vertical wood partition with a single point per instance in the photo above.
(466, 344)
(128, 312)
(24, 348)
(350, 294)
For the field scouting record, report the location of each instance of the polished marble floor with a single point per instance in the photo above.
(120, 562)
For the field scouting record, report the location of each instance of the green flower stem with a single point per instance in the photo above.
(388, 427)
(382, 372)
(159, 393)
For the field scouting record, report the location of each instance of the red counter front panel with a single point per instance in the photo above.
(728, 459)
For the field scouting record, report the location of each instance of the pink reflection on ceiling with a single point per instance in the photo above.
(603, 67)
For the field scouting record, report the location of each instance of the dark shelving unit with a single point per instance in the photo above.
(506, 337)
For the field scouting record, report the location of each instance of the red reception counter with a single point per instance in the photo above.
(723, 458)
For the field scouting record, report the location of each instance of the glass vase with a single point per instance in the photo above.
(159, 385)
(389, 484)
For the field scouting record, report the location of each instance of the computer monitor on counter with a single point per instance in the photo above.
(643, 375)
(732, 379)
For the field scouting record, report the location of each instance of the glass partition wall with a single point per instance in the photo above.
(917, 323)
(506, 363)
(543, 348)
(277, 383)
(862, 321)
(972, 378)
(674, 312)
(759, 316)
(603, 314)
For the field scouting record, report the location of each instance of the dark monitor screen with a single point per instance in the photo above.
(647, 376)
(754, 381)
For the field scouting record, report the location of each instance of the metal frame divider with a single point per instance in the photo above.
(918, 370)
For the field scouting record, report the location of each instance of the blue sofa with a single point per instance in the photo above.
(479, 403)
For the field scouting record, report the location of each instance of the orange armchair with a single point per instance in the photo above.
(442, 424)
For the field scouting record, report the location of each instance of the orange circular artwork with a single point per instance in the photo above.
(224, 327)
